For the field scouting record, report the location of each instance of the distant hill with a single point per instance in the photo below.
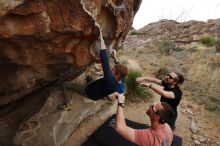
(186, 32)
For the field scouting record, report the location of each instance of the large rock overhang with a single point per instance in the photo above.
(45, 41)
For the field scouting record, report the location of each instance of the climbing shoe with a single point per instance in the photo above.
(64, 107)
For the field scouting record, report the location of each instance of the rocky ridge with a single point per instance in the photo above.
(185, 32)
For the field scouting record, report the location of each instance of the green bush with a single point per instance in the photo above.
(135, 33)
(135, 92)
(165, 47)
(208, 40)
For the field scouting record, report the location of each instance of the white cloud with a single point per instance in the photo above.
(154, 10)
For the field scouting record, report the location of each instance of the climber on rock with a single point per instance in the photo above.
(111, 82)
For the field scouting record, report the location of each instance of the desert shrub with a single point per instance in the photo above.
(214, 61)
(135, 92)
(206, 84)
(217, 45)
(165, 47)
(130, 63)
(208, 40)
(135, 33)
(201, 75)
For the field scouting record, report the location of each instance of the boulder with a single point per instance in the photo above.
(42, 44)
(43, 41)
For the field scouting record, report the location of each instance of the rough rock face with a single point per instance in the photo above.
(51, 127)
(43, 42)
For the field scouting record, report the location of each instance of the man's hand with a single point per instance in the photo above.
(146, 84)
(140, 79)
(121, 98)
(100, 34)
(114, 55)
(113, 96)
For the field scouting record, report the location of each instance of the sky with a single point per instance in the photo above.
(179, 10)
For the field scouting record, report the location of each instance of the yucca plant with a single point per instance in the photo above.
(135, 92)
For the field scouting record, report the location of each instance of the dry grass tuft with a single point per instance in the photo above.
(205, 79)
(131, 64)
(214, 60)
(165, 47)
